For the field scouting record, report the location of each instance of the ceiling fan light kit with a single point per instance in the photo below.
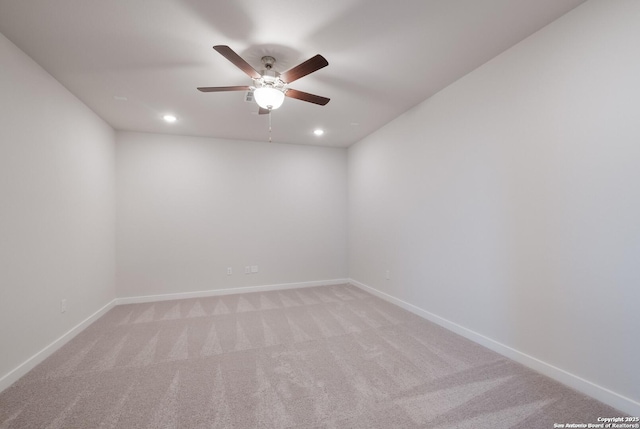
(269, 89)
(268, 97)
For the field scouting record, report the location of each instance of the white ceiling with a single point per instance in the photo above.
(384, 57)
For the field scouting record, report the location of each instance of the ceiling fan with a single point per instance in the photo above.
(270, 87)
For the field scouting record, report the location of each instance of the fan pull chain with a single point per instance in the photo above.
(269, 125)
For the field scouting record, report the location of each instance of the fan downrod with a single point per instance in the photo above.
(268, 62)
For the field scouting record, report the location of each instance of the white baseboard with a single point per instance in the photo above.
(593, 390)
(13, 376)
(230, 291)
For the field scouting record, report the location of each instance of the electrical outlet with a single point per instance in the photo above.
(247, 269)
(229, 271)
(63, 305)
(254, 268)
(387, 274)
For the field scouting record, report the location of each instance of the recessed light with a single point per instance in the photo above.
(318, 132)
(120, 98)
(169, 118)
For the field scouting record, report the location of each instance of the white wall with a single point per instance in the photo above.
(509, 203)
(188, 208)
(56, 210)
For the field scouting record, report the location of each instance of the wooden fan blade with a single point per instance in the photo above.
(305, 96)
(262, 111)
(237, 60)
(223, 88)
(309, 66)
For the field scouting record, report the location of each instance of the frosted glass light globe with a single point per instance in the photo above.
(268, 98)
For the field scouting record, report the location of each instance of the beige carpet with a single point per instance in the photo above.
(324, 357)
